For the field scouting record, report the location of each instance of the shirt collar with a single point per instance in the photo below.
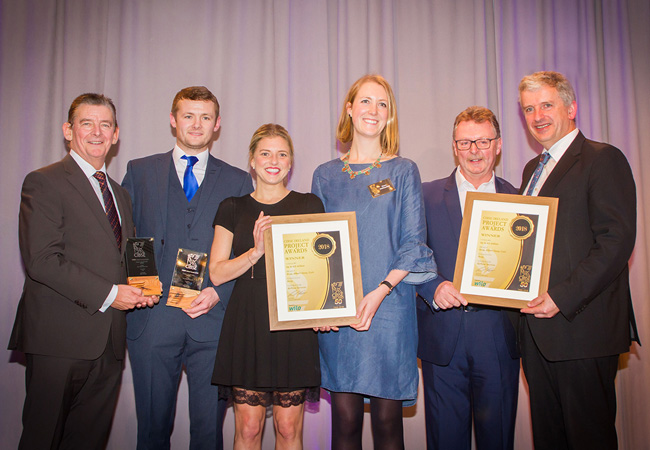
(203, 157)
(85, 166)
(462, 183)
(559, 148)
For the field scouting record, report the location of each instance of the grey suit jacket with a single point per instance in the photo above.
(71, 263)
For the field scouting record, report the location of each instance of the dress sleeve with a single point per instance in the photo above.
(413, 255)
(315, 185)
(225, 216)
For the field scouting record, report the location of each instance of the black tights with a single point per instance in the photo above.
(347, 422)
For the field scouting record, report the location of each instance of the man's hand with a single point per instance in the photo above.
(543, 307)
(205, 301)
(129, 297)
(447, 296)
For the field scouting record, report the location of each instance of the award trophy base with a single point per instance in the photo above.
(181, 297)
(149, 285)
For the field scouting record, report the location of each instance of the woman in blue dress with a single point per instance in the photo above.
(375, 358)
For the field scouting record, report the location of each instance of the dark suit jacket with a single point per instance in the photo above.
(594, 238)
(147, 180)
(438, 331)
(72, 262)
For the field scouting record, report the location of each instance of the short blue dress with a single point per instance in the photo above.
(380, 362)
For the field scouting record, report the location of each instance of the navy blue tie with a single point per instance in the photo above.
(190, 185)
(538, 171)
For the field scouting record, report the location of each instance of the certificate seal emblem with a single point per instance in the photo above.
(521, 227)
(323, 245)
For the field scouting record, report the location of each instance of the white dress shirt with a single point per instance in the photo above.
(465, 186)
(556, 151)
(89, 171)
(181, 164)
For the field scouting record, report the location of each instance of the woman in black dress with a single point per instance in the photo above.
(254, 366)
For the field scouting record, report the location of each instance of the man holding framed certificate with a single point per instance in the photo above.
(469, 348)
(573, 333)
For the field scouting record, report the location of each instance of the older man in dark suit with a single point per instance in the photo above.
(573, 333)
(74, 221)
(470, 363)
(175, 198)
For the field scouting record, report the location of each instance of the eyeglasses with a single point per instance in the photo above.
(481, 144)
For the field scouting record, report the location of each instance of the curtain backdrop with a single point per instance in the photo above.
(291, 62)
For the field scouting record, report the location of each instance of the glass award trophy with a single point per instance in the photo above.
(141, 269)
(188, 278)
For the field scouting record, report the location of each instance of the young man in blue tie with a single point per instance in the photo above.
(175, 198)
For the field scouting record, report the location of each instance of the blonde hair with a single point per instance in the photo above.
(390, 134)
(269, 130)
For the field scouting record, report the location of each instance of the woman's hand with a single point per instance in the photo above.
(262, 224)
(368, 307)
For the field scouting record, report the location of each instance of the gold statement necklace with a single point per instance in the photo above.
(353, 173)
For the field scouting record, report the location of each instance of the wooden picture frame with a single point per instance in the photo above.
(313, 272)
(505, 248)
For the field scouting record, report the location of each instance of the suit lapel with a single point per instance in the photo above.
(208, 185)
(452, 202)
(122, 206)
(163, 166)
(570, 157)
(528, 172)
(77, 178)
(498, 185)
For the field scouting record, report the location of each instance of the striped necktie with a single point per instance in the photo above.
(109, 206)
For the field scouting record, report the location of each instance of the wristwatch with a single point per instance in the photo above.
(388, 285)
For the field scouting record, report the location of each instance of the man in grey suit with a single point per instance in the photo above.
(175, 198)
(73, 225)
(572, 334)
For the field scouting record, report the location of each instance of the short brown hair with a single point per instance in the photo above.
(555, 80)
(269, 130)
(478, 114)
(91, 98)
(195, 93)
(390, 133)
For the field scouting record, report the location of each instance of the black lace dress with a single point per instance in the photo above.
(250, 357)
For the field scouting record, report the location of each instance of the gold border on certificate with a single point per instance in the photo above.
(313, 273)
(506, 243)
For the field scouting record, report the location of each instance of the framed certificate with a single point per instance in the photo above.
(506, 242)
(313, 275)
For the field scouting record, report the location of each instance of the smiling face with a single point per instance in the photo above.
(271, 160)
(476, 165)
(92, 133)
(369, 110)
(547, 117)
(195, 122)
